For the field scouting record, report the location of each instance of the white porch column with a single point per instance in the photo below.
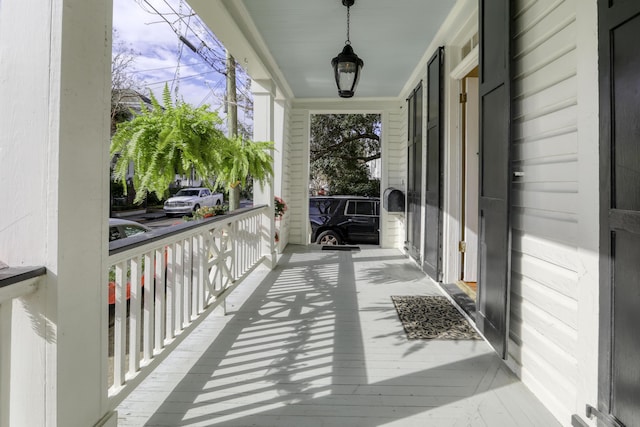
(279, 167)
(263, 124)
(54, 143)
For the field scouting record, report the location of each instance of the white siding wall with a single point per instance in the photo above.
(394, 174)
(543, 346)
(297, 165)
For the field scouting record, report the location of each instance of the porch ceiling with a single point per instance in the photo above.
(294, 41)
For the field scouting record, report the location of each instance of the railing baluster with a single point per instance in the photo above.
(160, 319)
(148, 292)
(120, 325)
(134, 316)
(171, 284)
(186, 290)
(177, 306)
(6, 317)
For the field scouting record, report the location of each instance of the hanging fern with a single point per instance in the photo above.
(164, 141)
(243, 159)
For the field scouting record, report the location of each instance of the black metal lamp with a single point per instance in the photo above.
(347, 65)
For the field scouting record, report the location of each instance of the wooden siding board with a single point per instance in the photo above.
(555, 304)
(553, 226)
(557, 202)
(562, 119)
(551, 74)
(558, 361)
(559, 392)
(546, 274)
(548, 101)
(556, 145)
(550, 252)
(556, 332)
(562, 171)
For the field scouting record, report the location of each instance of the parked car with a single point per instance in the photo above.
(344, 219)
(121, 228)
(189, 200)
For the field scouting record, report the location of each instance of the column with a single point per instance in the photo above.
(263, 124)
(54, 173)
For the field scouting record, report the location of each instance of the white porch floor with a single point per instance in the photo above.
(317, 342)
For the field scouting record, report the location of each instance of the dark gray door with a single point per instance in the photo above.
(619, 382)
(414, 175)
(433, 214)
(495, 174)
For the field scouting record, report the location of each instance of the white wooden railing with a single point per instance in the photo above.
(14, 283)
(166, 282)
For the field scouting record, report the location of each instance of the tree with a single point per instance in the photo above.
(125, 86)
(164, 141)
(341, 146)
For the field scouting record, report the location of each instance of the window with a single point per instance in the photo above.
(360, 208)
(132, 230)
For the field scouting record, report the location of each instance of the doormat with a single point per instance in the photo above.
(340, 248)
(432, 317)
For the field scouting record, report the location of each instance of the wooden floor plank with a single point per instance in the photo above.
(317, 342)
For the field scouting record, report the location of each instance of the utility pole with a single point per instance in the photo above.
(232, 123)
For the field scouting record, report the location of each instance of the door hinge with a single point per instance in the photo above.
(606, 419)
(463, 98)
(462, 246)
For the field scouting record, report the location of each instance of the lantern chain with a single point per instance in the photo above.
(348, 19)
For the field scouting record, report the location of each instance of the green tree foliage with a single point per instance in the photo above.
(164, 141)
(341, 145)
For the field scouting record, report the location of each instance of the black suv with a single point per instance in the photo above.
(344, 219)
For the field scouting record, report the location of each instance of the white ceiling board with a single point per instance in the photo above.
(302, 36)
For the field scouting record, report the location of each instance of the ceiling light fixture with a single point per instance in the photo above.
(347, 65)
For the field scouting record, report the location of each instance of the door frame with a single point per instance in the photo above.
(453, 203)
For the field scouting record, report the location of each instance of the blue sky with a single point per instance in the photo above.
(163, 57)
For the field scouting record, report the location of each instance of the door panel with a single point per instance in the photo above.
(433, 194)
(619, 371)
(414, 177)
(495, 175)
(470, 273)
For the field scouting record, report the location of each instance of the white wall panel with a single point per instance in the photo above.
(394, 174)
(544, 280)
(298, 165)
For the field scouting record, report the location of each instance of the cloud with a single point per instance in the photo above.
(160, 57)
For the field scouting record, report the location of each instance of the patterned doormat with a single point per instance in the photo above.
(432, 317)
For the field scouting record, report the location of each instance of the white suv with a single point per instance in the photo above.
(188, 200)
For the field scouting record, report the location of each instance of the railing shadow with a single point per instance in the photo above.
(295, 354)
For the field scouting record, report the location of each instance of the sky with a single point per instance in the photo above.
(160, 55)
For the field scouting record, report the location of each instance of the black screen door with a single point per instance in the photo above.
(414, 176)
(433, 214)
(619, 62)
(495, 175)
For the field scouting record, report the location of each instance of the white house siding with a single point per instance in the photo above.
(297, 165)
(543, 345)
(394, 157)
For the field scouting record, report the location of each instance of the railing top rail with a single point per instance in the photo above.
(19, 281)
(13, 275)
(155, 236)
